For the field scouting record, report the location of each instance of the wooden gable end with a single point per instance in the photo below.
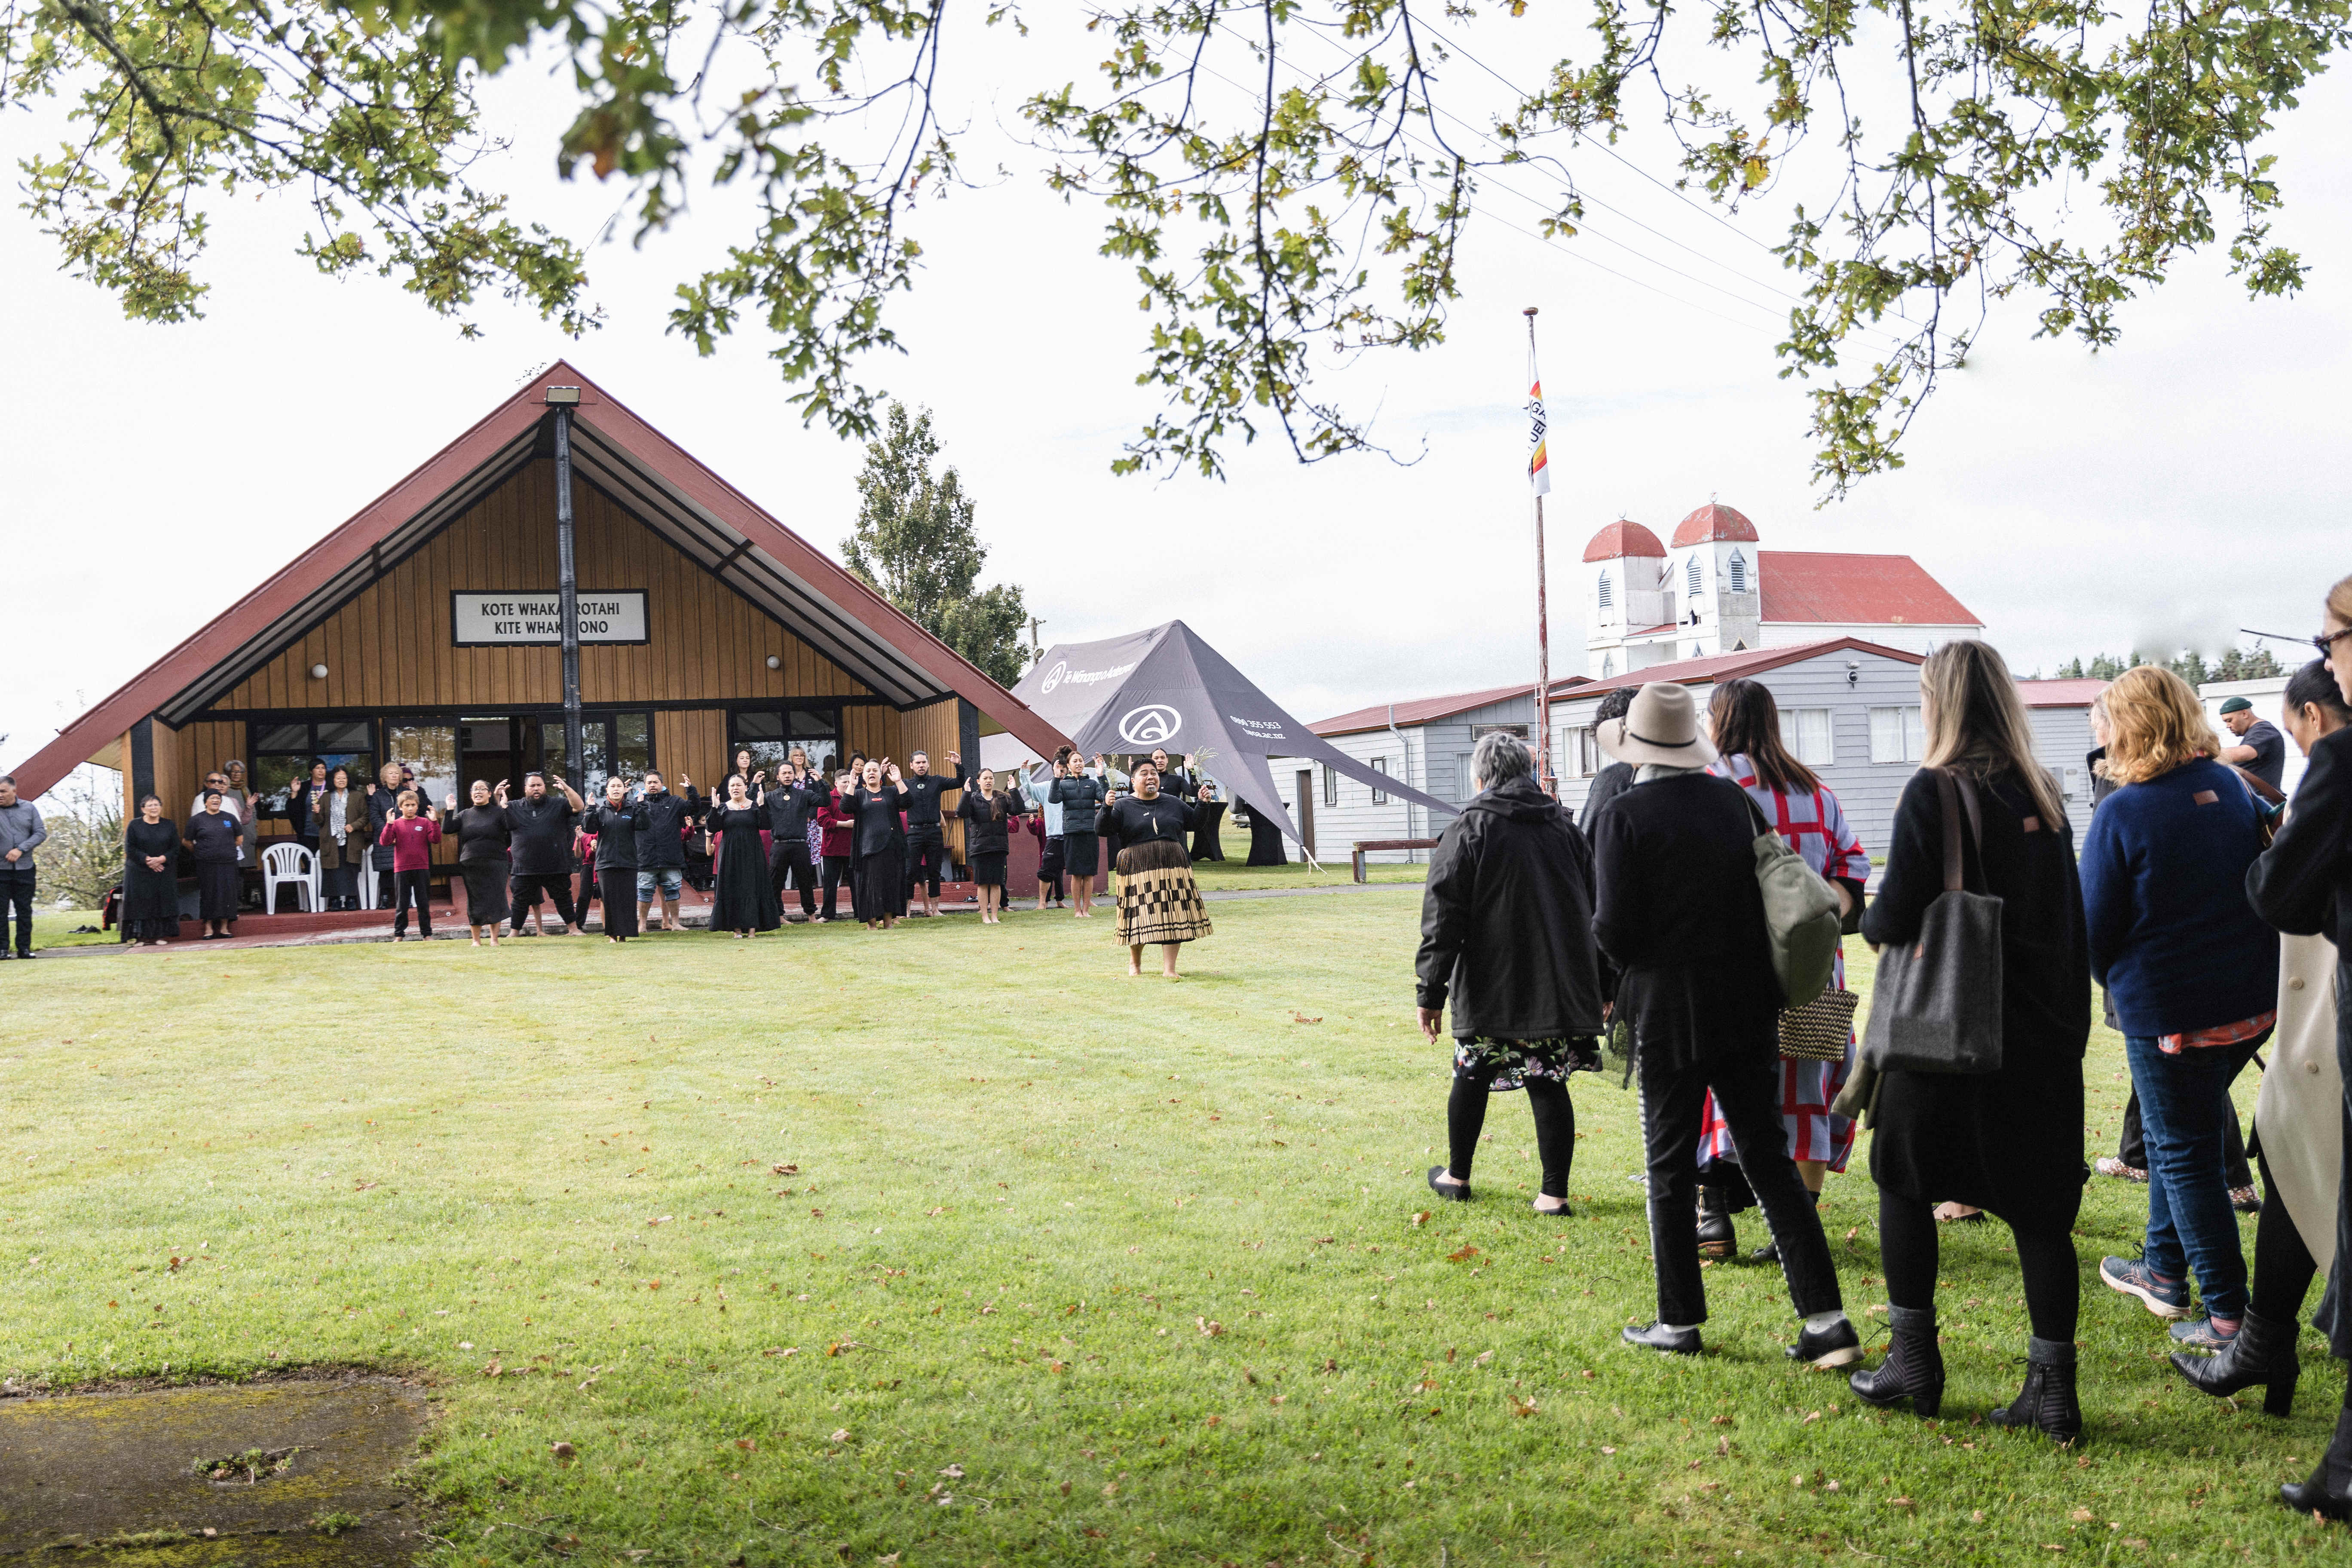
(389, 648)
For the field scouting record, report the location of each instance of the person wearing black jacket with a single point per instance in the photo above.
(661, 845)
(1617, 777)
(2303, 886)
(878, 894)
(382, 806)
(483, 836)
(1681, 918)
(1506, 936)
(988, 814)
(927, 845)
(1081, 796)
(1173, 780)
(616, 821)
(541, 826)
(791, 805)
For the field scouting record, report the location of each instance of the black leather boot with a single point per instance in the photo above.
(1717, 1238)
(2263, 1352)
(2047, 1400)
(1914, 1367)
(2328, 1492)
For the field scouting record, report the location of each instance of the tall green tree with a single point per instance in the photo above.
(1291, 180)
(916, 546)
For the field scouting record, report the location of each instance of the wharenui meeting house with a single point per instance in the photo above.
(424, 630)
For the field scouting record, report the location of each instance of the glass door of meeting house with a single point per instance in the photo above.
(507, 748)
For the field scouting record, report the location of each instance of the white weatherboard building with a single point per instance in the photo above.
(1714, 590)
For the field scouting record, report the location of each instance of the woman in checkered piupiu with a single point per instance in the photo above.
(1815, 828)
(1158, 901)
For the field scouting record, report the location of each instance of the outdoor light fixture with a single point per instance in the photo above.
(318, 672)
(1852, 672)
(775, 663)
(563, 396)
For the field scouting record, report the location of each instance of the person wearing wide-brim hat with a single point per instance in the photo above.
(1681, 921)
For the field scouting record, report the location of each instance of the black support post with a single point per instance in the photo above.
(569, 592)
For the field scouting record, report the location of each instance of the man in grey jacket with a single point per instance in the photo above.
(21, 833)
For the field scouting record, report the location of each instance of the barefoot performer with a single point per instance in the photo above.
(1157, 900)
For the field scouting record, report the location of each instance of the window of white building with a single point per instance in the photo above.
(1604, 590)
(1330, 785)
(1380, 765)
(1694, 577)
(1896, 735)
(1814, 736)
(1739, 573)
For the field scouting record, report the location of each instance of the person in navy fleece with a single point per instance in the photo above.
(2192, 973)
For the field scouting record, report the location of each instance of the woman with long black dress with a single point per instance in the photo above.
(2009, 1141)
(150, 877)
(744, 893)
(878, 894)
(483, 858)
(212, 835)
(1153, 883)
(988, 814)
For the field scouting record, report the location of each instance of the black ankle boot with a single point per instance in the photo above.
(2263, 1352)
(1914, 1367)
(2047, 1400)
(2328, 1492)
(1717, 1238)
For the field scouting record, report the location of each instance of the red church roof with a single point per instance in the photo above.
(1623, 537)
(1853, 590)
(1711, 522)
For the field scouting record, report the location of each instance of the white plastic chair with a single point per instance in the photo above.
(283, 863)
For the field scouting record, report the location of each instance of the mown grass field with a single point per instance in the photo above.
(1062, 1268)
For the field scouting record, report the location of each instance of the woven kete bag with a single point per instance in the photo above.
(1818, 1031)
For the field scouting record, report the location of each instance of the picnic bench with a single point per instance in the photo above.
(1364, 845)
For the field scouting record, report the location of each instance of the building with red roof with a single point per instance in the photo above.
(1714, 590)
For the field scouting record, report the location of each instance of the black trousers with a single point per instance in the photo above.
(2132, 1148)
(16, 893)
(927, 854)
(2283, 1267)
(1747, 1082)
(556, 885)
(2045, 1257)
(1555, 1113)
(416, 886)
(838, 868)
(791, 859)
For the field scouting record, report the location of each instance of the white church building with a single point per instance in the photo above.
(1712, 591)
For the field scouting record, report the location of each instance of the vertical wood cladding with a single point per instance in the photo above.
(390, 648)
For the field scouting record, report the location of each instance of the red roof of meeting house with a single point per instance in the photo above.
(1712, 522)
(651, 477)
(1428, 710)
(1728, 665)
(1623, 537)
(1854, 591)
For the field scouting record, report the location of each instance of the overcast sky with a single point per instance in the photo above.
(2170, 490)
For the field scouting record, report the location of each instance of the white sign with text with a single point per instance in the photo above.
(509, 620)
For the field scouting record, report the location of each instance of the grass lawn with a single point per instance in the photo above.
(1234, 875)
(55, 928)
(1059, 1268)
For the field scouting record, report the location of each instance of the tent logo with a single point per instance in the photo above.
(1153, 724)
(1053, 676)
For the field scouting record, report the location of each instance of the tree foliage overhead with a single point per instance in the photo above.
(1292, 181)
(915, 545)
(2237, 663)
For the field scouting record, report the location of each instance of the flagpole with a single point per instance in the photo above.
(1543, 622)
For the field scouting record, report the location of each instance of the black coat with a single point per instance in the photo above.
(1079, 797)
(2303, 882)
(875, 813)
(1681, 918)
(2011, 1141)
(661, 838)
(615, 829)
(990, 820)
(1506, 922)
(1607, 785)
(791, 808)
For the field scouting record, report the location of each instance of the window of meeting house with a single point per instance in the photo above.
(770, 734)
(609, 743)
(283, 750)
(429, 749)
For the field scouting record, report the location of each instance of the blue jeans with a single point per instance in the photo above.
(667, 877)
(2184, 1108)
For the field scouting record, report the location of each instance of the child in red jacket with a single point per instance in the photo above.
(411, 838)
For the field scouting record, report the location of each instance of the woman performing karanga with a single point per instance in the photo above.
(1158, 898)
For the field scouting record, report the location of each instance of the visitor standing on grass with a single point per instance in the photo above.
(837, 825)
(340, 822)
(878, 896)
(2303, 886)
(22, 832)
(2192, 973)
(988, 816)
(1158, 898)
(211, 836)
(1081, 797)
(926, 834)
(542, 823)
(742, 896)
(1506, 941)
(2300, 1117)
(1052, 865)
(483, 857)
(1745, 724)
(150, 877)
(615, 821)
(411, 837)
(661, 845)
(382, 806)
(1679, 914)
(2009, 1141)
(792, 805)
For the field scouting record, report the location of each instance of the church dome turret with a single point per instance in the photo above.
(1713, 523)
(1625, 537)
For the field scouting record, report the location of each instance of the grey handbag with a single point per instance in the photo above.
(1936, 1003)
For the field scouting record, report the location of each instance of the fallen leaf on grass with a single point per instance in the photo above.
(1420, 1219)
(816, 1213)
(784, 1169)
(840, 1435)
(782, 1350)
(953, 1472)
(493, 1369)
(1462, 1254)
(1523, 1406)
(363, 1186)
(843, 1346)
(1484, 1357)
(1302, 1018)
(2081, 1516)
(663, 1220)
(561, 1450)
(747, 1445)
(1208, 1329)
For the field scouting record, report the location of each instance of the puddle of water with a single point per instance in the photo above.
(98, 1470)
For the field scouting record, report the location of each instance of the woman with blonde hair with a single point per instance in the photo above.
(2192, 974)
(2303, 886)
(2009, 1141)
